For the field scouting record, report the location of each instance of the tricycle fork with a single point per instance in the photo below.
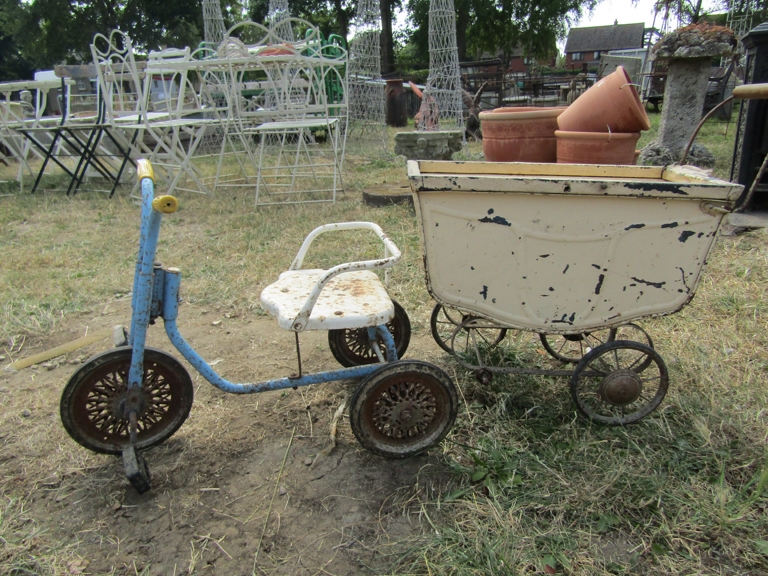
(152, 210)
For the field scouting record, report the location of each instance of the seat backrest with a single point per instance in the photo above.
(80, 89)
(121, 82)
(172, 89)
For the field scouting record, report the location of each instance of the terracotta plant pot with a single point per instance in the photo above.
(596, 147)
(611, 105)
(277, 50)
(520, 134)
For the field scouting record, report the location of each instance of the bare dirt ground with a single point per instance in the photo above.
(239, 489)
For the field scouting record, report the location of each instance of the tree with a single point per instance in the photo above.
(13, 65)
(330, 16)
(503, 25)
(692, 11)
(387, 41)
(51, 32)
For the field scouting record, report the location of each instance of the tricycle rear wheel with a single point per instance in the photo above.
(403, 408)
(352, 347)
(619, 382)
(91, 405)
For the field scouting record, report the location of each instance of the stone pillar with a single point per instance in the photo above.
(689, 52)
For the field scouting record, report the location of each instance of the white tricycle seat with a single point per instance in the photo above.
(347, 296)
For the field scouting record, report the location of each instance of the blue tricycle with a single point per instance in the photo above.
(130, 398)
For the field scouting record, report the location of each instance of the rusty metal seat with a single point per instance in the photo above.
(348, 301)
(344, 297)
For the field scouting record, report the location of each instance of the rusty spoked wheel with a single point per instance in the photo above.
(571, 348)
(352, 347)
(634, 333)
(92, 402)
(609, 387)
(445, 320)
(403, 408)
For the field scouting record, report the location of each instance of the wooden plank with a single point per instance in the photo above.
(75, 71)
(531, 169)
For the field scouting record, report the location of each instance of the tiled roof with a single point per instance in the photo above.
(601, 38)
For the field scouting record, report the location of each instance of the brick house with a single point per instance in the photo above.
(585, 45)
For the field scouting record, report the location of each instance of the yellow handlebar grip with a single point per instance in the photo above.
(144, 170)
(165, 204)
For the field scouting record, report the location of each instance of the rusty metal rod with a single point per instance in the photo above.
(700, 124)
(748, 198)
(744, 92)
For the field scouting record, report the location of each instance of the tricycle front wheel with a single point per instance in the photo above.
(91, 405)
(403, 408)
(619, 382)
(352, 347)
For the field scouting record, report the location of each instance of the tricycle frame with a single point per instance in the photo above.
(105, 400)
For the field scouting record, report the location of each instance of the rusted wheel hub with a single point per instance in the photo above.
(621, 387)
(404, 409)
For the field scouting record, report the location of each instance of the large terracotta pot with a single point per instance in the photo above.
(611, 105)
(520, 134)
(596, 147)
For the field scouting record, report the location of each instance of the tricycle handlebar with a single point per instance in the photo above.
(166, 204)
(144, 170)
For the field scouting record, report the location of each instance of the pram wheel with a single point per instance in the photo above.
(571, 348)
(619, 382)
(403, 408)
(352, 348)
(634, 333)
(91, 404)
(445, 320)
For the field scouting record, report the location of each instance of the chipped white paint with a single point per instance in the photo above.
(563, 248)
(347, 296)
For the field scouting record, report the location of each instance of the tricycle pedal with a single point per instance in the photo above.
(136, 469)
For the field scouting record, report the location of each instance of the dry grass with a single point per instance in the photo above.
(534, 484)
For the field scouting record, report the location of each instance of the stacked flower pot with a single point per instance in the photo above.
(602, 126)
(520, 134)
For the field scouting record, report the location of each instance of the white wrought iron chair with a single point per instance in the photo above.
(22, 107)
(168, 137)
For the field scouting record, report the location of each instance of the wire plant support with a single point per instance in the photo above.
(441, 107)
(213, 22)
(278, 17)
(367, 126)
